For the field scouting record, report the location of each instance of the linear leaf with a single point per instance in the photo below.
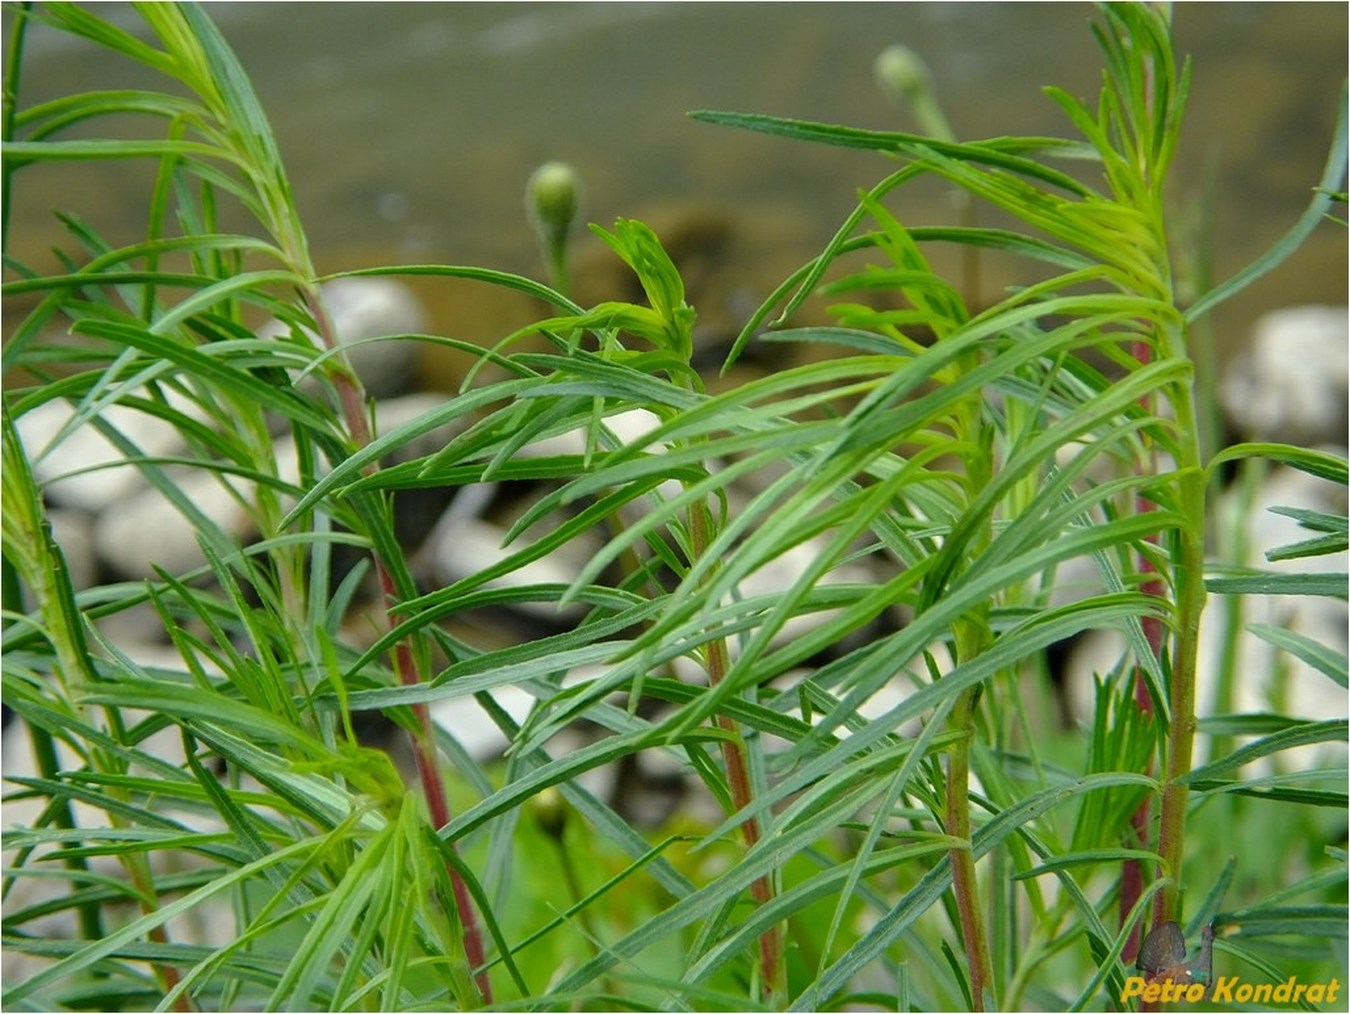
(1322, 658)
(1253, 582)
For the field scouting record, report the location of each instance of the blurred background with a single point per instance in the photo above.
(409, 130)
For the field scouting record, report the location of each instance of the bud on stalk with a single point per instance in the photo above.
(551, 199)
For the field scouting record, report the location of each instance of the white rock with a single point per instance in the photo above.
(209, 924)
(1289, 487)
(780, 573)
(627, 426)
(61, 464)
(146, 528)
(1106, 465)
(466, 720)
(391, 413)
(18, 762)
(371, 307)
(469, 546)
(360, 308)
(1096, 653)
(1291, 385)
(73, 531)
(1271, 678)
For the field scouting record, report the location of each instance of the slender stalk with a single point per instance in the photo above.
(1132, 875)
(59, 812)
(405, 664)
(956, 822)
(256, 151)
(1189, 587)
(971, 638)
(13, 63)
(168, 976)
(738, 780)
(1188, 543)
(1132, 871)
(34, 551)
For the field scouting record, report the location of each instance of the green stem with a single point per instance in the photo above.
(557, 266)
(48, 766)
(13, 63)
(28, 535)
(1188, 583)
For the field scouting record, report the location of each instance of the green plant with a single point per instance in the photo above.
(945, 852)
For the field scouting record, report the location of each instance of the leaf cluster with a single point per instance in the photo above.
(937, 476)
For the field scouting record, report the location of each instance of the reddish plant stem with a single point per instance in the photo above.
(965, 884)
(1132, 872)
(738, 781)
(1187, 601)
(970, 638)
(1188, 578)
(405, 663)
(956, 820)
(168, 974)
(433, 790)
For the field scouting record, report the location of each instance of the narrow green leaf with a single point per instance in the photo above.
(1303, 734)
(1322, 658)
(91, 952)
(1254, 582)
(1318, 463)
(1333, 176)
(1092, 857)
(993, 152)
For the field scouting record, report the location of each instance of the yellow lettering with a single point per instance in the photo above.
(1223, 989)
(1229, 989)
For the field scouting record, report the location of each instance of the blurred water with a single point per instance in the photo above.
(410, 129)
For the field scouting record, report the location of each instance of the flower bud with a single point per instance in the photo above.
(901, 73)
(550, 809)
(551, 198)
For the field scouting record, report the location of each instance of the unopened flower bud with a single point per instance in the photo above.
(550, 809)
(903, 76)
(551, 197)
(901, 73)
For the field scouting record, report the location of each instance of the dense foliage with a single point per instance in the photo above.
(903, 823)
